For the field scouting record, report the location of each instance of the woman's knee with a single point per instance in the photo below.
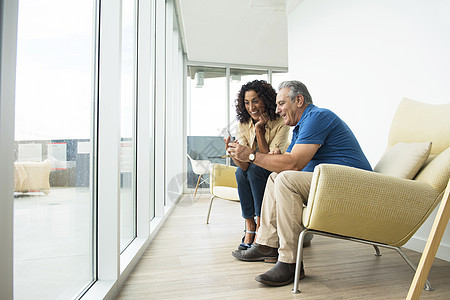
(255, 172)
(240, 173)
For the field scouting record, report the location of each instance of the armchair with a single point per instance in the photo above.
(223, 184)
(380, 209)
(32, 176)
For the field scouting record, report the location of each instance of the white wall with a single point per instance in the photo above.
(360, 58)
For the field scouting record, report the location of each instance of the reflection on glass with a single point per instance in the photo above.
(53, 198)
(128, 142)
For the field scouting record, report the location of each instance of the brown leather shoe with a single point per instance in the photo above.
(257, 253)
(281, 274)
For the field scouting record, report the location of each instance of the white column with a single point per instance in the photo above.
(109, 140)
(145, 113)
(160, 109)
(8, 47)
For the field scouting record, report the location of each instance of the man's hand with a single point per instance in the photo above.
(239, 152)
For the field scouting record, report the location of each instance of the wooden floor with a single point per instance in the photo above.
(189, 259)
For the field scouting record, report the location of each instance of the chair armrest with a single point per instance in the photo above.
(367, 205)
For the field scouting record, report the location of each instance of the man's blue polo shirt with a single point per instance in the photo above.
(338, 143)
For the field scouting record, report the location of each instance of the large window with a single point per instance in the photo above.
(54, 198)
(207, 98)
(211, 96)
(278, 77)
(174, 108)
(207, 117)
(128, 125)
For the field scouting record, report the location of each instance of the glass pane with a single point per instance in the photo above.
(277, 78)
(128, 141)
(239, 77)
(53, 198)
(207, 116)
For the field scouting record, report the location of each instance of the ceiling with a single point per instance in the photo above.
(245, 32)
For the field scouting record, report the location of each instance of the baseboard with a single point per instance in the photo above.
(418, 245)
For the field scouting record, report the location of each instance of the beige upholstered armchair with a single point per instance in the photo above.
(223, 184)
(386, 207)
(32, 176)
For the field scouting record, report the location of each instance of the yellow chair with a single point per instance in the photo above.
(223, 184)
(379, 209)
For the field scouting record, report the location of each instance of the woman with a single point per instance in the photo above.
(261, 129)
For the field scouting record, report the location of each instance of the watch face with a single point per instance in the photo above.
(251, 157)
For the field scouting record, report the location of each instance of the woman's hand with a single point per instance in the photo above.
(227, 141)
(275, 151)
(263, 119)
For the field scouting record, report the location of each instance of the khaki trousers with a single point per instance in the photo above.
(281, 213)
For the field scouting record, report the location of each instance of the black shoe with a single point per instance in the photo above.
(257, 253)
(281, 274)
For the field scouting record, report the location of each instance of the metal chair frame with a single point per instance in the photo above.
(296, 290)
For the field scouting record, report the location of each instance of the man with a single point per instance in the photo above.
(319, 136)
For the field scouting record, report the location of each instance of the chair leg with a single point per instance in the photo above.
(209, 211)
(298, 264)
(295, 290)
(428, 286)
(377, 250)
(198, 183)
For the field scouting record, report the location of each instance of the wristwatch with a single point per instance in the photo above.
(252, 157)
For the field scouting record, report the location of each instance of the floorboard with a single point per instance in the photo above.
(190, 259)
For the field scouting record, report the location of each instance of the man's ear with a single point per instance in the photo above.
(300, 100)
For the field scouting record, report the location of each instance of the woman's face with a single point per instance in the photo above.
(253, 104)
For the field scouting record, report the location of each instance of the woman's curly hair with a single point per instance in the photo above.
(265, 92)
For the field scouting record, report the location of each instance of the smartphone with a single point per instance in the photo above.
(229, 135)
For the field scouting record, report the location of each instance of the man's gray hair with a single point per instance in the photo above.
(296, 88)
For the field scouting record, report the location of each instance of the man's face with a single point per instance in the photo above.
(287, 109)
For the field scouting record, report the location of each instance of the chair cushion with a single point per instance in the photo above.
(225, 192)
(436, 171)
(403, 160)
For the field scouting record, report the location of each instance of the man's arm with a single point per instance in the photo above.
(299, 157)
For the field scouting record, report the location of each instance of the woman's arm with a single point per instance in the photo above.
(280, 140)
(260, 132)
